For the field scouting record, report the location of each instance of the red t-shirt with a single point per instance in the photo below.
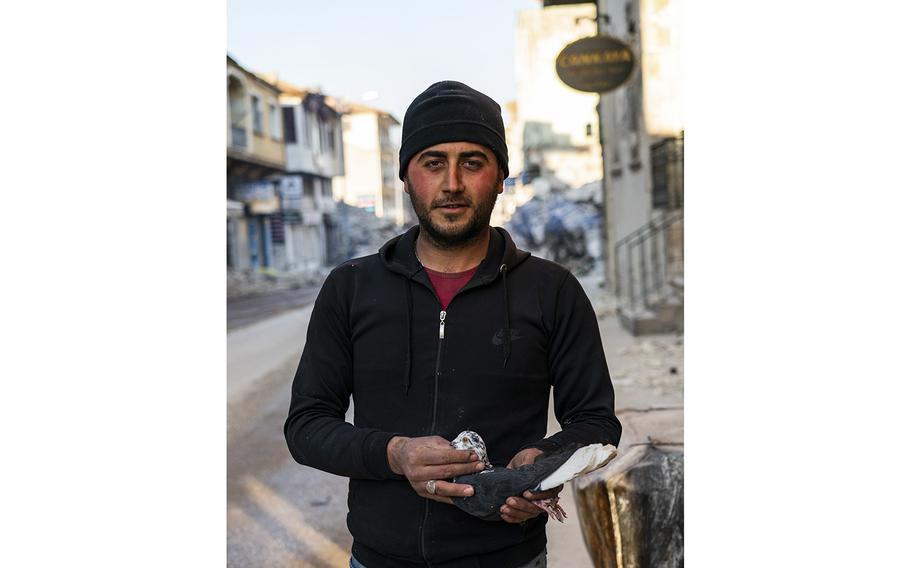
(447, 284)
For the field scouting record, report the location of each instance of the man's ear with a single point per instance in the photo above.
(405, 180)
(500, 181)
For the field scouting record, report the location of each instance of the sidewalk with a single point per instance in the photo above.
(647, 374)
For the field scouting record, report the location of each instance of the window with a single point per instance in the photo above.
(238, 112)
(305, 133)
(290, 132)
(388, 173)
(316, 129)
(274, 126)
(667, 173)
(257, 114)
(323, 136)
(330, 130)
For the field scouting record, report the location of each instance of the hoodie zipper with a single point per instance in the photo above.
(442, 336)
(426, 510)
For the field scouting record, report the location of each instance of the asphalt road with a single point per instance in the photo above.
(247, 311)
(279, 513)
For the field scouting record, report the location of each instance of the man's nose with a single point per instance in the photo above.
(453, 179)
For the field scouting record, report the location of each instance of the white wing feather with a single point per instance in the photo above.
(583, 461)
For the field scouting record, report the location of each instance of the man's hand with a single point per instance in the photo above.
(432, 458)
(521, 509)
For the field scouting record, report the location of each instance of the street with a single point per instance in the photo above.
(246, 311)
(280, 513)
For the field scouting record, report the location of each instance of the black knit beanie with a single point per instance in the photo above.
(450, 111)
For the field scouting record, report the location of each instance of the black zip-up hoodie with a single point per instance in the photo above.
(521, 326)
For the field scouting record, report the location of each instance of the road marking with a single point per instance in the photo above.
(292, 520)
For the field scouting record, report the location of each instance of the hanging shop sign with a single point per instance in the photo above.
(255, 191)
(597, 64)
(566, 2)
(292, 216)
(264, 206)
(291, 187)
(259, 196)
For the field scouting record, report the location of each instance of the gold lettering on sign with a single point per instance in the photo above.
(597, 57)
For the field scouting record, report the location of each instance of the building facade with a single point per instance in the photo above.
(370, 181)
(642, 141)
(255, 164)
(315, 155)
(555, 126)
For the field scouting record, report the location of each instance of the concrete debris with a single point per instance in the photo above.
(360, 232)
(351, 232)
(249, 283)
(563, 225)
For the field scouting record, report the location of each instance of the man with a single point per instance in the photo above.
(449, 327)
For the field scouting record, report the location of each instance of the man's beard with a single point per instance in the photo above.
(451, 238)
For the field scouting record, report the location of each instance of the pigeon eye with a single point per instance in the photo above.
(465, 440)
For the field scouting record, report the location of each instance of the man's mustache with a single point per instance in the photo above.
(452, 203)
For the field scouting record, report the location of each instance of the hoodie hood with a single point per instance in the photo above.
(399, 255)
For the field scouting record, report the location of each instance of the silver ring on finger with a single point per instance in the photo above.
(431, 487)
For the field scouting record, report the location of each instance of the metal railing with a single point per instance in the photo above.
(647, 260)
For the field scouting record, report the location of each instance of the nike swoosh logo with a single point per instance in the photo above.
(498, 336)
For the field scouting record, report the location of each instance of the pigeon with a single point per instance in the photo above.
(494, 485)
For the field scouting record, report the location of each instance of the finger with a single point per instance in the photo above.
(429, 455)
(520, 505)
(524, 457)
(515, 464)
(451, 455)
(548, 494)
(447, 489)
(513, 513)
(441, 499)
(510, 519)
(447, 471)
(420, 487)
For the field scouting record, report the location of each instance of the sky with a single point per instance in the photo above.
(388, 50)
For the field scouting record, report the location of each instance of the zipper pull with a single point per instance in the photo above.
(442, 324)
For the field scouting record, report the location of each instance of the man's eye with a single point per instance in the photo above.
(433, 163)
(473, 164)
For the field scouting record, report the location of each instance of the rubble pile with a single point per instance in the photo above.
(360, 233)
(561, 224)
(245, 284)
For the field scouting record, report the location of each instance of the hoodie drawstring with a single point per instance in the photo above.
(507, 330)
(407, 356)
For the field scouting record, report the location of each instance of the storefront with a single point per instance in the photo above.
(260, 203)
